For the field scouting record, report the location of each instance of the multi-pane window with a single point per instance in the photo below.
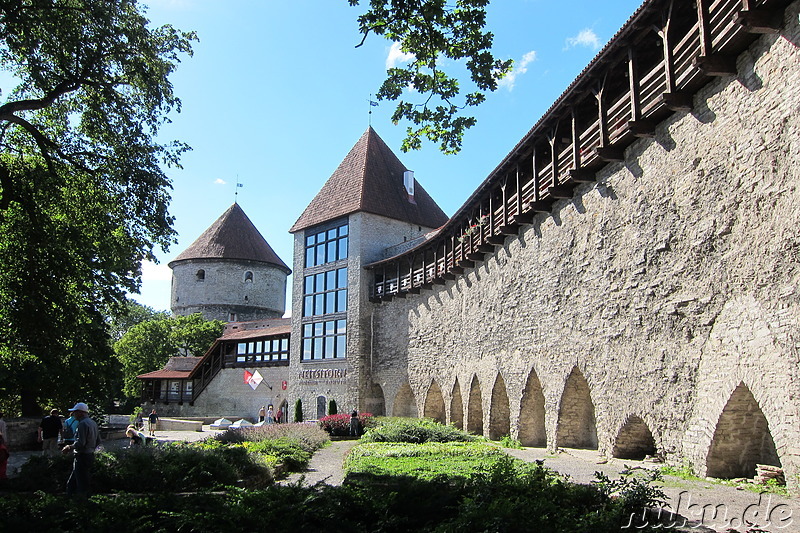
(263, 350)
(325, 292)
(326, 246)
(325, 340)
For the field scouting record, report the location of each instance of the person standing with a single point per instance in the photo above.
(354, 423)
(152, 422)
(87, 439)
(68, 432)
(270, 415)
(139, 422)
(3, 427)
(261, 414)
(50, 432)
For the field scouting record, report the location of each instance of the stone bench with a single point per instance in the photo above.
(176, 424)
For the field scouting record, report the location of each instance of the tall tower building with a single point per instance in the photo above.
(369, 203)
(229, 273)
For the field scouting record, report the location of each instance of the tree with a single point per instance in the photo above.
(83, 196)
(133, 313)
(434, 33)
(148, 345)
(298, 410)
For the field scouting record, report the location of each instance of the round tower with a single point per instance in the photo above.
(229, 273)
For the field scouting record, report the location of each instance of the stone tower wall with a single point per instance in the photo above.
(667, 284)
(225, 289)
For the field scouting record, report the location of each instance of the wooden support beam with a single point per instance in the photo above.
(413, 290)
(524, 218)
(564, 191)
(760, 20)
(386, 297)
(610, 153)
(509, 229)
(582, 175)
(496, 239)
(716, 65)
(487, 248)
(642, 128)
(475, 256)
(677, 101)
(465, 263)
(543, 206)
(457, 269)
(400, 294)
(441, 280)
(449, 275)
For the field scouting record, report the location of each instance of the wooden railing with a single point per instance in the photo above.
(525, 183)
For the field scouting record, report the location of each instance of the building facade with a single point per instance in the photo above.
(625, 280)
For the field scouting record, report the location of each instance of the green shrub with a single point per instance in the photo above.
(414, 430)
(508, 442)
(332, 409)
(287, 451)
(309, 435)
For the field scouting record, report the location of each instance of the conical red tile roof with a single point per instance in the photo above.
(231, 236)
(370, 179)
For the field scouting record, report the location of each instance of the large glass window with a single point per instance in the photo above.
(326, 246)
(325, 340)
(325, 293)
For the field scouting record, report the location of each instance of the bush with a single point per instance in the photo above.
(310, 436)
(332, 409)
(298, 410)
(415, 430)
(339, 425)
(288, 452)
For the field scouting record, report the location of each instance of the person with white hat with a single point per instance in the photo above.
(87, 439)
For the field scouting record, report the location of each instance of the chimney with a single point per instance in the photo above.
(408, 182)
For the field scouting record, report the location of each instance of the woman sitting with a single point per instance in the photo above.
(137, 437)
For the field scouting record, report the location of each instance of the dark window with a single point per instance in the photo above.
(201, 275)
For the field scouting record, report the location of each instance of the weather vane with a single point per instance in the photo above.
(236, 190)
(372, 103)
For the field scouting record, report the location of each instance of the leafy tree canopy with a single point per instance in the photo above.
(148, 345)
(435, 33)
(132, 314)
(83, 197)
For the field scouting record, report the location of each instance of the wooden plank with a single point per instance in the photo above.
(760, 20)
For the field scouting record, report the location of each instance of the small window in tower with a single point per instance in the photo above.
(201, 275)
(248, 276)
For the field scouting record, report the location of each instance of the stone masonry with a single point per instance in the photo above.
(649, 298)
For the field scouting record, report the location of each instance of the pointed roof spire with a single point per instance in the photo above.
(232, 236)
(370, 179)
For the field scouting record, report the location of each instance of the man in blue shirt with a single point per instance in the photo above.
(87, 439)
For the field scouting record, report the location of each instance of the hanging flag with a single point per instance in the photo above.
(247, 377)
(242, 184)
(373, 103)
(255, 380)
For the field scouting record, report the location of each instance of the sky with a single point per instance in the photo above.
(276, 94)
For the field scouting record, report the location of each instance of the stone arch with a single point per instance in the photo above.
(741, 439)
(475, 408)
(457, 407)
(404, 402)
(634, 440)
(531, 414)
(576, 422)
(434, 403)
(500, 414)
(375, 402)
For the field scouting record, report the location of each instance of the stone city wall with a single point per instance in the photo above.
(649, 298)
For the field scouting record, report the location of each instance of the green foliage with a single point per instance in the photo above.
(309, 436)
(131, 314)
(428, 461)
(437, 35)
(83, 195)
(298, 410)
(414, 430)
(332, 410)
(508, 442)
(148, 345)
(287, 451)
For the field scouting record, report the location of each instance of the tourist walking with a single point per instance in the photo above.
(87, 439)
(69, 429)
(270, 415)
(354, 425)
(261, 414)
(50, 433)
(152, 422)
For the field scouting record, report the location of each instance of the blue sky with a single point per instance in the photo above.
(276, 94)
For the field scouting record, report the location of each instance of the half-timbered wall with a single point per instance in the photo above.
(666, 281)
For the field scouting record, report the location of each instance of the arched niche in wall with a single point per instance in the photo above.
(404, 403)
(576, 422)
(457, 407)
(500, 414)
(634, 440)
(434, 403)
(475, 408)
(531, 414)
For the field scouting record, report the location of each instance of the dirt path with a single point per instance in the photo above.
(325, 466)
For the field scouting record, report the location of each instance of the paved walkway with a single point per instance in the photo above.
(326, 465)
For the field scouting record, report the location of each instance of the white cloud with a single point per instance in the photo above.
(520, 68)
(154, 272)
(220, 181)
(586, 37)
(397, 56)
